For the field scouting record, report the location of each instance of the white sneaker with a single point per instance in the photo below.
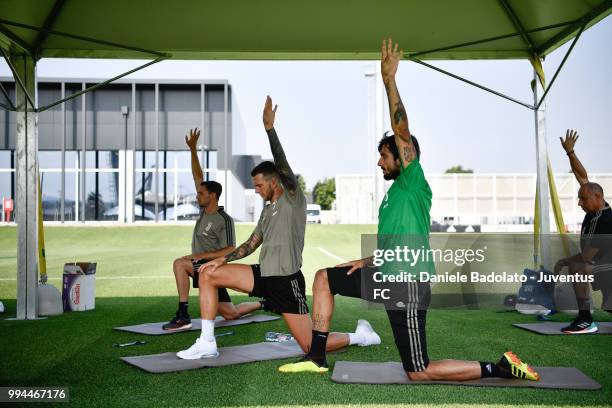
(200, 349)
(364, 328)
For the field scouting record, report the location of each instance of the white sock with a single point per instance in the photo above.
(356, 338)
(208, 330)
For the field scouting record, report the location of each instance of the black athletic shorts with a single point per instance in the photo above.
(283, 294)
(406, 309)
(222, 292)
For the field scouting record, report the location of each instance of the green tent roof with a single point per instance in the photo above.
(284, 29)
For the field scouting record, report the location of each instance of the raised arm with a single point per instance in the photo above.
(390, 58)
(571, 136)
(196, 169)
(280, 160)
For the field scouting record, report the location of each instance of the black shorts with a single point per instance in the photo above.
(406, 309)
(222, 292)
(283, 294)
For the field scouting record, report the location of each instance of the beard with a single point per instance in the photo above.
(392, 175)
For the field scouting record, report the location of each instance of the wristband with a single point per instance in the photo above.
(569, 153)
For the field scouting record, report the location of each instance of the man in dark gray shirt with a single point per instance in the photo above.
(213, 236)
(595, 256)
(277, 278)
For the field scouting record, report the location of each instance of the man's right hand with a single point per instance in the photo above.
(571, 136)
(354, 265)
(192, 139)
(389, 59)
(212, 265)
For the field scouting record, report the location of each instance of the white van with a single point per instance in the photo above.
(313, 213)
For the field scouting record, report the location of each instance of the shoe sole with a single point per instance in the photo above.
(585, 331)
(203, 356)
(187, 326)
(517, 363)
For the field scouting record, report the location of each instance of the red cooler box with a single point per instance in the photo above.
(79, 286)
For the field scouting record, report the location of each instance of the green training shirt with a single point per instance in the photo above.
(403, 219)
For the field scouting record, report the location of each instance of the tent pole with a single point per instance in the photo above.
(27, 188)
(542, 177)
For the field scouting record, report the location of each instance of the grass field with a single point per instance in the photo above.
(134, 284)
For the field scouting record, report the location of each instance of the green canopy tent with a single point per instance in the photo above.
(270, 30)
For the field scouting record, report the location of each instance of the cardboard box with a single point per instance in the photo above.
(79, 286)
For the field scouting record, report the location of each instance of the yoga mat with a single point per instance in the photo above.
(348, 372)
(552, 328)
(169, 362)
(155, 329)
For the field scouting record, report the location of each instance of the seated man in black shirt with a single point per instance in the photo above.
(595, 257)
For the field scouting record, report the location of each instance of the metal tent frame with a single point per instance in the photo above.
(22, 60)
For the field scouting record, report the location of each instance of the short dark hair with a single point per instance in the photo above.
(594, 188)
(388, 140)
(267, 168)
(213, 187)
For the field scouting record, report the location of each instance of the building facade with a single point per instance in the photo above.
(119, 154)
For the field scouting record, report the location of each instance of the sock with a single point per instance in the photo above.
(491, 369)
(182, 308)
(208, 330)
(355, 338)
(584, 310)
(317, 347)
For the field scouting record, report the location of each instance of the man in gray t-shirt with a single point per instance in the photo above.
(277, 278)
(213, 236)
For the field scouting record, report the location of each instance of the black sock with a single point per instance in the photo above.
(584, 309)
(491, 369)
(317, 347)
(182, 308)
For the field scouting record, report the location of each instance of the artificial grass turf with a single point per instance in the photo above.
(134, 284)
(75, 350)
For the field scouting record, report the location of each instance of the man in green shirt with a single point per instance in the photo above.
(403, 221)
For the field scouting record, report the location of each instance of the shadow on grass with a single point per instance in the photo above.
(76, 350)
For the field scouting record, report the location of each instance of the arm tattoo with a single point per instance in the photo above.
(282, 165)
(245, 249)
(400, 113)
(317, 321)
(409, 153)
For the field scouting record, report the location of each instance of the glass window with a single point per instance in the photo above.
(6, 179)
(148, 161)
(108, 159)
(182, 160)
(70, 200)
(50, 159)
(51, 185)
(144, 202)
(102, 196)
(5, 159)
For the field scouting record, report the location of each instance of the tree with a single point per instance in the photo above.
(325, 193)
(459, 169)
(301, 183)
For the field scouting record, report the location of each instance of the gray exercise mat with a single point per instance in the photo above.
(155, 329)
(550, 328)
(169, 362)
(349, 372)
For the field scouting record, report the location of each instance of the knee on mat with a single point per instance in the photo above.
(233, 315)
(418, 375)
(320, 281)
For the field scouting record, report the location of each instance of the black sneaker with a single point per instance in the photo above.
(180, 322)
(580, 326)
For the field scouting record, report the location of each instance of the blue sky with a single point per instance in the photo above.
(322, 115)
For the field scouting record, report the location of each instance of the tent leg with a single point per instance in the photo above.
(542, 178)
(27, 191)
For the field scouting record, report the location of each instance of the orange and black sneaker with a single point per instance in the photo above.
(513, 367)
